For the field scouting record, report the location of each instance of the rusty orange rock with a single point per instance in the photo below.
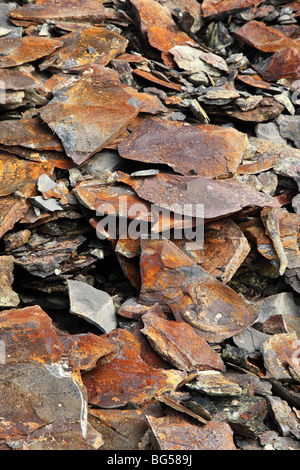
(264, 38)
(184, 195)
(172, 279)
(93, 45)
(179, 344)
(217, 8)
(283, 64)
(158, 27)
(205, 150)
(178, 433)
(89, 114)
(17, 51)
(90, 11)
(30, 336)
(126, 377)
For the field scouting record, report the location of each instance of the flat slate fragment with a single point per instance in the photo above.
(178, 343)
(205, 150)
(89, 114)
(171, 278)
(17, 51)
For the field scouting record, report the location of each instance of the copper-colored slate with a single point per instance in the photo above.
(29, 133)
(157, 26)
(282, 64)
(173, 433)
(91, 11)
(92, 45)
(263, 37)
(150, 103)
(125, 378)
(12, 208)
(158, 81)
(20, 175)
(30, 336)
(215, 8)
(89, 114)
(179, 344)
(225, 248)
(254, 80)
(17, 51)
(205, 150)
(283, 229)
(22, 77)
(171, 278)
(267, 110)
(277, 351)
(182, 194)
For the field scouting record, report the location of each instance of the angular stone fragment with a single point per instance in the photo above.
(264, 38)
(282, 414)
(179, 344)
(250, 339)
(289, 127)
(175, 433)
(215, 8)
(185, 195)
(157, 26)
(225, 248)
(204, 150)
(29, 133)
(283, 305)
(89, 11)
(31, 337)
(8, 298)
(90, 46)
(120, 429)
(214, 384)
(93, 305)
(12, 208)
(89, 114)
(20, 175)
(196, 61)
(283, 227)
(23, 77)
(126, 377)
(277, 351)
(17, 51)
(131, 308)
(282, 64)
(171, 278)
(158, 81)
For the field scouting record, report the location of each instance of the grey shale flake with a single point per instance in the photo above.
(93, 305)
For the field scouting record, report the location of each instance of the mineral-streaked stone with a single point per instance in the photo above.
(8, 298)
(276, 352)
(93, 305)
(214, 384)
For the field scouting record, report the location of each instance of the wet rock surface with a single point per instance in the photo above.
(149, 225)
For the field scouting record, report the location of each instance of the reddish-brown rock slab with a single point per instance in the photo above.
(225, 248)
(267, 109)
(8, 298)
(283, 228)
(283, 64)
(190, 195)
(126, 377)
(171, 278)
(277, 351)
(255, 232)
(12, 209)
(157, 26)
(254, 81)
(29, 133)
(179, 344)
(22, 77)
(92, 45)
(264, 38)
(20, 175)
(120, 429)
(205, 150)
(212, 8)
(17, 51)
(88, 115)
(177, 433)
(262, 155)
(30, 336)
(88, 11)
(158, 81)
